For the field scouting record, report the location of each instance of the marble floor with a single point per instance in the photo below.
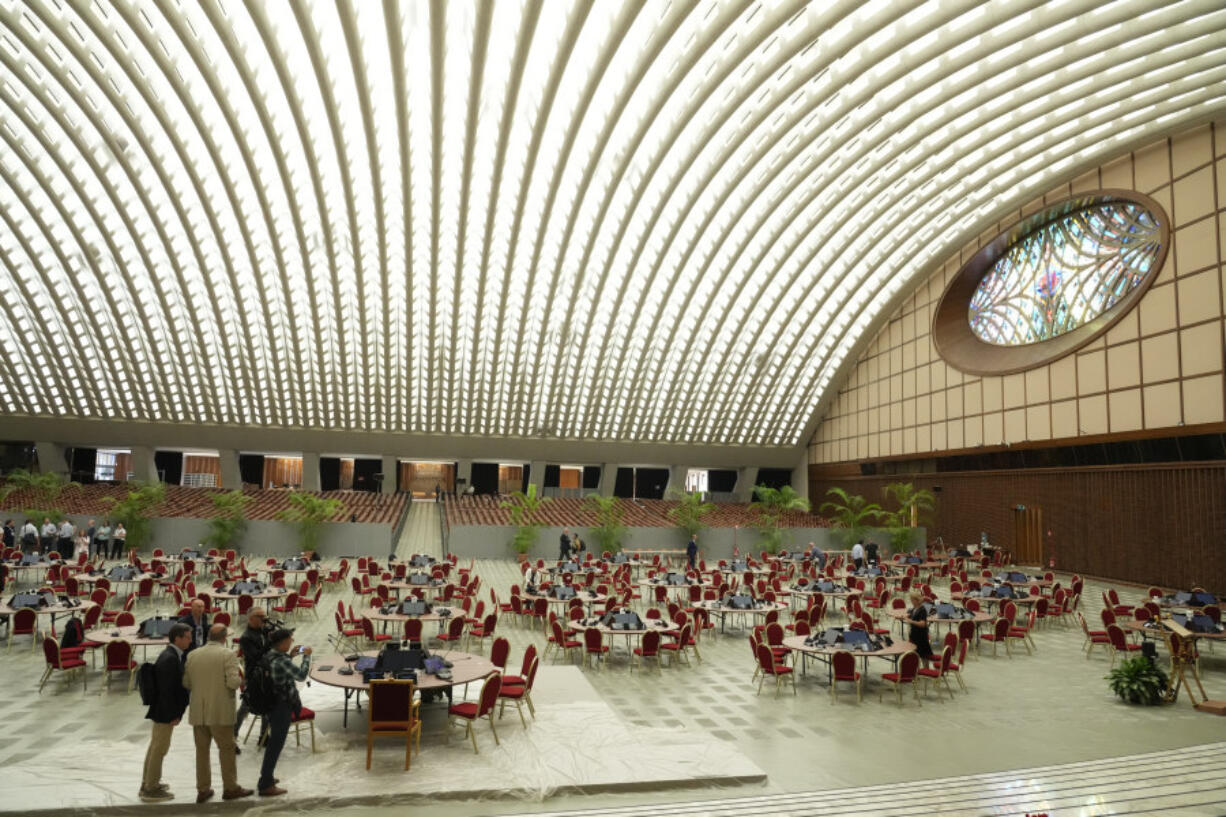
(1037, 733)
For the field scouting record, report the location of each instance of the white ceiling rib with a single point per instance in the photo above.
(630, 222)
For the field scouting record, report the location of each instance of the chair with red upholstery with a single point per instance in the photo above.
(23, 622)
(119, 659)
(289, 607)
(647, 649)
(68, 667)
(560, 643)
(843, 667)
(999, 635)
(522, 678)
(455, 632)
(312, 603)
(768, 666)
(683, 641)
(518, 694)
(958, 648)
(483, 630)
(349, 635)
(594, 646)
(939, 672)
(1111, 599)
(372, 638)
(413, 629)
(1022, 632)
(908, 669)
(483, 707)
(391, 713)
(1120, 643)
(500, 651)
(1092, 637)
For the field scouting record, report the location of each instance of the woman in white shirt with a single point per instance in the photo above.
(118, 540)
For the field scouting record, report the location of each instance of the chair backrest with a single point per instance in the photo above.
(412, 629)
(1000, 628)
(455, 627)
(489, 694)
(1116, 634)
(908, 666)
(844, 664)
(530, 675)
(51, 651)
(947, 657)
(391, 702)
(24, 621)
(766, 661)
(803, 628)
(118, 654)
(125, 619)
(1108, 616)
(651, 642)
(593, 639)
(488, 625)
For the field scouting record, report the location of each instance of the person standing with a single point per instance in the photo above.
(198, 622)
(102, 536)
(857, 554)
(10, 535)
(49, 533)
(252, 646)
(870, 552)
(118, 540)
(63, 544)
(80, 545)
(917, 617)
(212, 676)
(166, 711)
(564, 545)
(691, 551)
(286, 703)
(29, 537)
(90, 530)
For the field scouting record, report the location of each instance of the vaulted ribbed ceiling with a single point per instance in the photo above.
(658, 221)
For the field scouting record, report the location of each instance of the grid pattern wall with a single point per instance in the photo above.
(1159, 367)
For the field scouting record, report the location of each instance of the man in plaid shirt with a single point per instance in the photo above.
(285, 677)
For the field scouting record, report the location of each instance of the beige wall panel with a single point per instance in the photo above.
(1119, 173)
(1195, 247)
(923, 410)
(1162, 409)
(1036, 386)
(896, 420)
(993, 428)
(1191, 149)
(896, 446)
(923, 379)
(1160, 358)
(1015, 426)
(1202, 400)
(1091, 373)
(908, 412)
(1221, 180)
(1152, 168)
(1126, 330)
(1064, 419)
(1093, 414)
(1158, 309)
(953, 434)
(993, 393)
(972, 398)
(1199, 299)
(1038, 423)
(953, 402)
(1201, 349)
(1194, 196)
(972, 432)
(940, 437)
(1014, 390)
(923, 438)
(1064, 377)
(1125, 407)
(1086, 182)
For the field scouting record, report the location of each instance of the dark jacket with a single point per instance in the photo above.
(172, 698)
(252, 645)
(203, 635)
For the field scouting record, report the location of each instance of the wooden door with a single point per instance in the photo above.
(1028, 535)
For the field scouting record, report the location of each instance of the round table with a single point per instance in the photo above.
(893, 652)
(716, 608)
(269, 593)
(465, 669)
(436, 585)
(374, 614)
(588, 597)
(658, 624)
(990, 600)
(979, 618)
(87, 578)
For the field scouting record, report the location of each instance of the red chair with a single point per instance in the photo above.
(360, 589)
(938, 673)
(767, 666)
(348, 634)
(959, 651)
(500, 651)
(558, 642)
(649, 648)
(843, 664)
(908, 667)
(1119, 643)
(391, 712)
(62, 664)
(522, 678)
(125, 619)
(1022, 631)
(119, 659)
(296, 720)
(999, 635)
(1111, 599)
(290, 605)
(311, 604)
(518, 694)
(470, 712)
(412, 630)
(455, 632)
(1092, 637)
(245, 602)
(683, 640)
(368, 631)
(483, 630)
(593, 645)
(23, 622)
(144, 590)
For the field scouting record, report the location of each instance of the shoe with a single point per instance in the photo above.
(162, 787)
(271, 791)
(204, 796)
(155, 795)
(238, 750)
(234, 794)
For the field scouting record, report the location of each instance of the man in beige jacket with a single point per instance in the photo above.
(212, 676)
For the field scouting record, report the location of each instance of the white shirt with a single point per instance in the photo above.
(29, 530)
(120, 533)
(857, 551)
(49, 529)
(66, 530)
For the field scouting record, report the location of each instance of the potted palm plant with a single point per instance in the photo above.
(524, 507)
(770, 506)
(852, 514)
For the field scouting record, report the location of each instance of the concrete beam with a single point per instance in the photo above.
(536, 475)
(608, 476)
(144, 468)
(746, 478)
(463, 471)
(676, 478)
(51, 458)
(390, 467)
(310, 471)
(231, 476)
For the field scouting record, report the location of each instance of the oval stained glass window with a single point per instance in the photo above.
(1065, 274)
(1052, 282)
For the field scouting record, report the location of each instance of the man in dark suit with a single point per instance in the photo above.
(564, 545)
(165, 712)
(198, 621)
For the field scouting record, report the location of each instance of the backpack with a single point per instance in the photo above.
(147, 683)
(259, 694)
(74, 634)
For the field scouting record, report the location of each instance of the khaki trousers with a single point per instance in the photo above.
(224, 737)
(159, 745)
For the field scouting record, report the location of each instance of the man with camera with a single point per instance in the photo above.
(252, 646)
(286, 703)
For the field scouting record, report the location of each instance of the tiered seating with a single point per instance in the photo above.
(642, 513)
(195, 503)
